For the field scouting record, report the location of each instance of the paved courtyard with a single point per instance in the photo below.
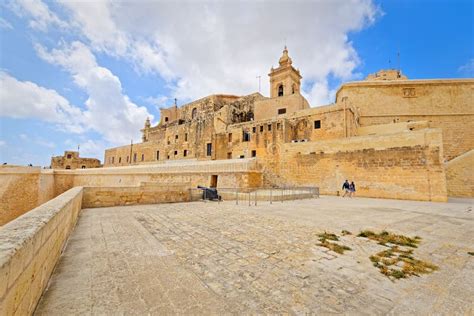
(209, 258)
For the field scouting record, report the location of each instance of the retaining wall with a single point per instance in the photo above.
(30, 248)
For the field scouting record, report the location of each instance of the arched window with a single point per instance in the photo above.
(194, 113)
(280, 90)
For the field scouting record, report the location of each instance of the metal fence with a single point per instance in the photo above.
(252, 196)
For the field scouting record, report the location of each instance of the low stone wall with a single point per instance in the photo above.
(30, 248)
(460, 175)
(143, 194)
(22, 189)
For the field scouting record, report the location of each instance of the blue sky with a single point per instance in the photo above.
(89, 73)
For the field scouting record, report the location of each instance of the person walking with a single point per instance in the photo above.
(352, 189)
(345, 188)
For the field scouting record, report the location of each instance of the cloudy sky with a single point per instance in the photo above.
(88, 73)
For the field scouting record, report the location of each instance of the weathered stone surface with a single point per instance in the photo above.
(209, 258)
(29, 249)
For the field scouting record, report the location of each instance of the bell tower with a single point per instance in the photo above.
(284, 80)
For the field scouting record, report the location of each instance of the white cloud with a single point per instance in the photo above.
(220, 47)
(109, 111)
(44, 143)
(4, 24)
(91, 148)
(41, 17)
(467, 68)
(25, 99)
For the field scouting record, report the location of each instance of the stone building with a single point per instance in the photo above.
(387, 132)
(71, 160)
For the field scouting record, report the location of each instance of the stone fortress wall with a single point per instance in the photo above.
(386, 106)
(24, 188)
(396, 138)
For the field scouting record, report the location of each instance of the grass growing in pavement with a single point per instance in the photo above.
(470, 253)
(345, 232)
(329, 236)
(324, 242)
(397, 263)
(385, 237)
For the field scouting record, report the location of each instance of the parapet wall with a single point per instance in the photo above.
(406, 165)
(460, 175)
(22, 189)
(31, 246)
(143, 194)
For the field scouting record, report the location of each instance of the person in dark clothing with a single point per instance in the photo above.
(346, 189)
(352, 189)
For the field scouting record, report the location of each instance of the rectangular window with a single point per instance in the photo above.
(269, 127)
(245, 136)
(209, 149)
(185, 153)
(157, 155)
(120, 159)
(176, 153)
(254, 153)
(69, 156)
(317, 124)
(261, 129)
(176, 137)
(281, 111)
(242, 157)
(230, 138)
(143, 157)
(229, 155)
(168, 156)
(135, 157)
(166, 119)
(278, 125)
(186, 137)
(254, 129)
(128, 158)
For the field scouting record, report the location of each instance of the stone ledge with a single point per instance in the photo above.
(29, 249)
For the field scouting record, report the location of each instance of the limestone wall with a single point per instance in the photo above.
(268, 108)
(31, 246)
(230, 173)
(143, 194)
(22, 189)
(406, 165)
(445, 104)
(460, 175)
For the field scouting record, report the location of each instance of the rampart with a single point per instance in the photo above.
(23, 188)
(31, 246)
(146, 193)
(405, 165)
(460, 175)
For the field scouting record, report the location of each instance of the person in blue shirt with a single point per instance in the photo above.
(346, 189)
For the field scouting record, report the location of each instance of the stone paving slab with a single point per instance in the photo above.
(209, 258)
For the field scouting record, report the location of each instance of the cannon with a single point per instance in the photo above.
(209, 193)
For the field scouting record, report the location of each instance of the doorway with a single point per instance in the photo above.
(213, 181)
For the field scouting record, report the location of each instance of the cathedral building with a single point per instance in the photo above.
(425, 121)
